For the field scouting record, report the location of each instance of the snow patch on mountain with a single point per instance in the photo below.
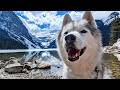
(30, 44)
(117, 44)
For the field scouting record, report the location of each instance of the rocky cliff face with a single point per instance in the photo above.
(13, 34)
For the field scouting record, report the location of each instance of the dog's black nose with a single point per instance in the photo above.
(70, 38)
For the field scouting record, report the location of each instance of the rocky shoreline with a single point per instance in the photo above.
(13, 69)
(16, 68)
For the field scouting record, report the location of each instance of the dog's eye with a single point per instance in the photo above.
(66, 33)
(83, 31)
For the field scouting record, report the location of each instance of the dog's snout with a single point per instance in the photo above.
(70, 38)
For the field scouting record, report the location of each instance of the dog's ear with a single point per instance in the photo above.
(88, 16)
(66, 20)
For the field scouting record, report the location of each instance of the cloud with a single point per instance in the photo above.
(102, 14)
(75, 15)
(48, 17)
(54, 20)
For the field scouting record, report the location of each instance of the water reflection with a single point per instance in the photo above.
(31, 55)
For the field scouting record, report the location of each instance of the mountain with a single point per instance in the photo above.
(47, 39)
(105, 31)
(13, 33)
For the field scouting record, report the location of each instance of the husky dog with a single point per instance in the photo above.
(80, 47)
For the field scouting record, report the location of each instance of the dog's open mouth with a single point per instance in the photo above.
(74, 54)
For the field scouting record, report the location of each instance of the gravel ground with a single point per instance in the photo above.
(53, 73)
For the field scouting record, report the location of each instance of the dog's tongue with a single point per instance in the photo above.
(72, 52)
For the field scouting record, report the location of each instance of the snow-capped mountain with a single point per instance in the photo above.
(111, 17)
(48, 38)
(41, 28)
(45, 37)
(13, 33)
(46, 25)
(105, 31)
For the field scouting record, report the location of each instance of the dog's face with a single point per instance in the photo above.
(76, 38)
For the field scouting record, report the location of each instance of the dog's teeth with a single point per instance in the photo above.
(79, 53)
(76, 55)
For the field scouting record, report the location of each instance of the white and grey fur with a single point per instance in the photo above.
(89, 65)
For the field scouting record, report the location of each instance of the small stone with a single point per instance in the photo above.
(2, 65)
(43, 66)
(14, 68)
(37, 61)
(25, 71)
(11, 62)
(29, 65)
